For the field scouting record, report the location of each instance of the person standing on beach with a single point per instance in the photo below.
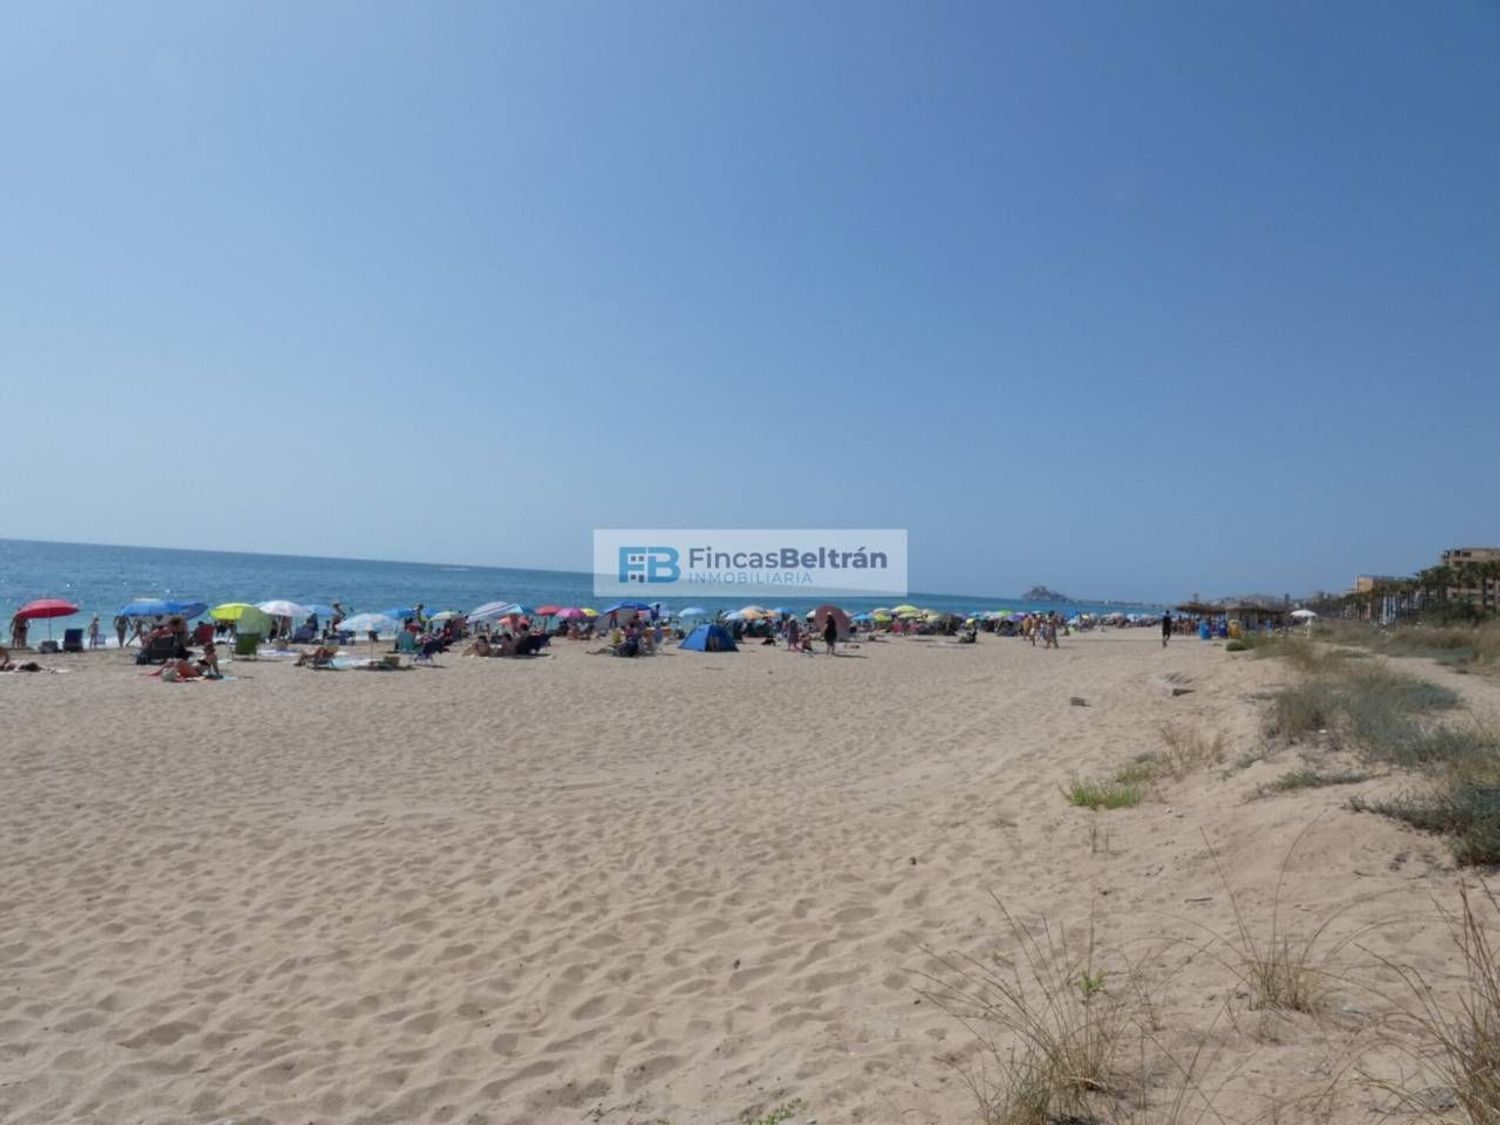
(121, 624)
(94, 640)
(831, 632)
(1166, 628)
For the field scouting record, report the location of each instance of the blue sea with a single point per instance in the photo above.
(100, 579)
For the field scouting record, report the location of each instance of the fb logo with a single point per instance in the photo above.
(649, 564)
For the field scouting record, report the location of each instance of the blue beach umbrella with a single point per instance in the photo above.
(400, 613)
(693, 611)
(159, 607)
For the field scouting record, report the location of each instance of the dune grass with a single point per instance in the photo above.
(1103, 793)
(1052, 1027)
(1459, 1039)
(1390, 718)
(1308, 777)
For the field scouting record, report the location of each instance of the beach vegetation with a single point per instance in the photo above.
(783, 1112)
(1310, 777)
(1390, 718)
(1281, 969)
(1103, 793)
(1053, 1037)
(1456, 1041)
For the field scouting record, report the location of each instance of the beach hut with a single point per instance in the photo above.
(709, 638)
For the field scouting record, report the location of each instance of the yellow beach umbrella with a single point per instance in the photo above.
(883, 618)
(900, 609)
(589, 611)
(230, 611)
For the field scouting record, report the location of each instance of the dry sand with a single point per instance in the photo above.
(686, 889)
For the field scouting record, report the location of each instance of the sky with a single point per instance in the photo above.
(1133, 300)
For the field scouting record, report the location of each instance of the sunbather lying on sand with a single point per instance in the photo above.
(320, 657)
(9, 665)
(175, 671)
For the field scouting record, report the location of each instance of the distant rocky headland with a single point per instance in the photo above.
(1043, 594)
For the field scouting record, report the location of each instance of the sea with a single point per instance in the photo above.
(101, 579)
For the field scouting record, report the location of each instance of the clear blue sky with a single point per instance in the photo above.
(1136, 300)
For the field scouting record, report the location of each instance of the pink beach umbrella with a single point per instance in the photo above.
(46, 608)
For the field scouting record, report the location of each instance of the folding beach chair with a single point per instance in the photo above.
(72, 640)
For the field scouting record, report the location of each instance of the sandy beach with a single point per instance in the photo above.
(686, 889)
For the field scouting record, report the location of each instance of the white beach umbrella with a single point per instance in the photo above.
(490, 610)
(1304, 613)
(370, 623)
(283, 608)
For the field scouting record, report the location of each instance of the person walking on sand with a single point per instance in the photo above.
(94, 639)
(831, 633)
(121, 624)
(1166, 628)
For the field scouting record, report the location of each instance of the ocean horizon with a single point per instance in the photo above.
(101, 578)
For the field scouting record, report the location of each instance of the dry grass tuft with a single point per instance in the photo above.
(1460, 1040)
(1052, 1027)
(1281, 971)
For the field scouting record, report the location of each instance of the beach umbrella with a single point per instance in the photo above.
(547, 610)
(280, 607)
(370, 623)
(488, 609)
(754, 612)
(624, 611)
(400, 612)
(230, 611)
(783, 611)
(46, 609)
(319, 609)
(692, 611)
(1304, 613)
(589, 611)
(445, 615)
(162, 607)
(493, 611)
(900, 609)
(570, 613)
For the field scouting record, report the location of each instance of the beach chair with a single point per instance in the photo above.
(305, 635)
(203, 633)
(406, 641)
(246, 646)
(72, 640)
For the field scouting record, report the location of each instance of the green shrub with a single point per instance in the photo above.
(1105, 793)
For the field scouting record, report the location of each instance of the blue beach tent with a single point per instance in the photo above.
(709, 638)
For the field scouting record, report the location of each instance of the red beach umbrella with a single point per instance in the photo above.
(548, 610)
(46, 608)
